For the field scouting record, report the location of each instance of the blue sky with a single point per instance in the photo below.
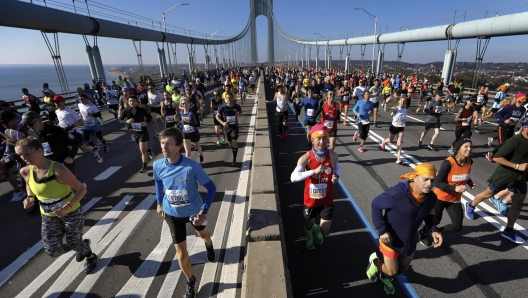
(298, 18)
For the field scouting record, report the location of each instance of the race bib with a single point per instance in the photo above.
(496, 105)
(346, 98)
(439, 108)
(365, 122)
(215, 112)
(169, 119)
(329, 123)
(480, 98)
(462, 177)
(177, 198)
(455, 95)
(465, 123)
(513, 119)
(318, 191)
(136, 126)
(188, 128)
(231, 119)
(374, 99)
(47, 149)
(89, 121)
(309, 112)
(49, 208)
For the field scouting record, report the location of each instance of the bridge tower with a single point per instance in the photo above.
(264, 8)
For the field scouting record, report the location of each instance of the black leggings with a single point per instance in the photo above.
(462, 132)
(455, 212)
(504, 134)
(282, 117)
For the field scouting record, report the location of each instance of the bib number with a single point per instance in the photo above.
(169, 119)
(329, 123)
(188, 128)
(177, 198)
(513, 119)
(439, 108)
(346, 98)
(310, 112)
(365, 122)
(49, 208)
(318, 191)
(47, 149)
(89, 121)
(231, 119)
(136, 126)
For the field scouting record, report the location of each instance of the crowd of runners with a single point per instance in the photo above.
(43, 152)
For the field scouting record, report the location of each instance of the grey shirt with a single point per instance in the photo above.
(430, 109)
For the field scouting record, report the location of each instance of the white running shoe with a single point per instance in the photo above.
(98, 158)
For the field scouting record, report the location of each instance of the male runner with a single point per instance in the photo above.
(229, 112)
(364, 109)
(319, 168)
(310, 105)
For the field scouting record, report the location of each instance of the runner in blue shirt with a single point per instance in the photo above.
(177, 179)
(310, 105)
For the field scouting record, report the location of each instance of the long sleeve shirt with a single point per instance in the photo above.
(513, 112)
(362, 108)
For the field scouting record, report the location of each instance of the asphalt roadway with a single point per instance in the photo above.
(126, 232)
(476, 262)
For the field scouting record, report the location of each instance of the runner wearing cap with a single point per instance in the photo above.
(319, 168)
(434, 109)
(399, 119)
(89, 112)
(31, 100)
(363, 109)
(451, 181)
(70, 120)
(508, 117)
(49, 105)
(397, 223)
(463, 123)
(510, 174)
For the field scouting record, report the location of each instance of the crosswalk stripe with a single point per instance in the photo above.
(10, 270)
(129, 223)
(231, 261)
(107, 173)
(95, 234)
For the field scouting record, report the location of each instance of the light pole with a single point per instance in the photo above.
(326, 48)
(375, 19)
(164, 14)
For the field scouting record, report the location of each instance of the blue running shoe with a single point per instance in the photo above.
(512, 236)
(470, 211)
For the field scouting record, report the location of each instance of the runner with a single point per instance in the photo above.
(136, 120)
(310, 105)
(169, 110)
(154, 102)
(282, 111)
(242, 89)
(216, 102)
(397, 221)
(252, 83)
(510, 174)
(463, 123)
(344, 93)
(375, 92)
(190, 128)
(330, 117)
(450, 183)
(427, 94)
(31, 100)
(89, 113)
(358, 92)
(111, 96)
(10, 125)
(399, 118)
(363, 109)
(229, 112)
(434, 109)
(479, 106)
(177, 179)
(319, 168)
(51, 184)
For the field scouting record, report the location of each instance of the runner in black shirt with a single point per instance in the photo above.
(230, 112)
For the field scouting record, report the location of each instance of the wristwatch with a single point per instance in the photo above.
(203, 211)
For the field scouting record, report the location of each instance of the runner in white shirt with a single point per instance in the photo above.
(70, 120)
(89, 112)
(154, 101)
(111, 99)
(252, 84)
(399, 117)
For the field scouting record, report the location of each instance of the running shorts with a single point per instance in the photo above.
(231, 133)
(140, 137)
(477, 107)
(387, 251)
(332, 134)
(311, 123)
(155, 110)
(432, 125)
(178, 229)
(193, 136)
(79, 137)
(326, 212)
(519, 188)
(395, 130)
(376, 105)
(363, 130)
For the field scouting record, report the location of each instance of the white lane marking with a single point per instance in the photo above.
(139, 283)
(109, 121)
(107, 173)
(205, 288)
(229, 273)
(469, 196)
(129, 224)
(95, 234)
(30, 253)
(420, 120)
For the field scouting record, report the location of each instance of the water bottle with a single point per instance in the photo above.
(192, 219)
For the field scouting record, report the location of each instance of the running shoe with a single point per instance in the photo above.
(431, 147)
(424, 238)
(96, 149)
(470, 211)
(281, 136)
(78, 256)
(451, 151)
(483, 122)
(490, 141)
(501, 207)
(361, 149)
(387, 284)
(106, 149)
(224, 141)
(375, 125)
(98, 157)
(218, 142)
(285, 133)
(477, 131)
(372, 268)
(489, 156)
(383, 144)
(419, 143)
(356, 134)
(210, 252)
(150, 153)
(318, 235)
(18, 196)
(201, 157)
(309, 239)
(143, 170)
(512, 236)
(398, 161)
(90, 264)
(189, 293)
(345, 123)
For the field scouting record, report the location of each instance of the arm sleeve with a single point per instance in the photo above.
(337, 168)
(159, 191)
(441, 177)
(354, 110)
(380, 203)
(211, 191)
(299, 174)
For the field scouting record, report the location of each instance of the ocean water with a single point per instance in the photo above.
(15, 77)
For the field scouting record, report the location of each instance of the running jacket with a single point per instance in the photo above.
(403, 216)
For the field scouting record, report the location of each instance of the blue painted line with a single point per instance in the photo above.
(407, 287)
